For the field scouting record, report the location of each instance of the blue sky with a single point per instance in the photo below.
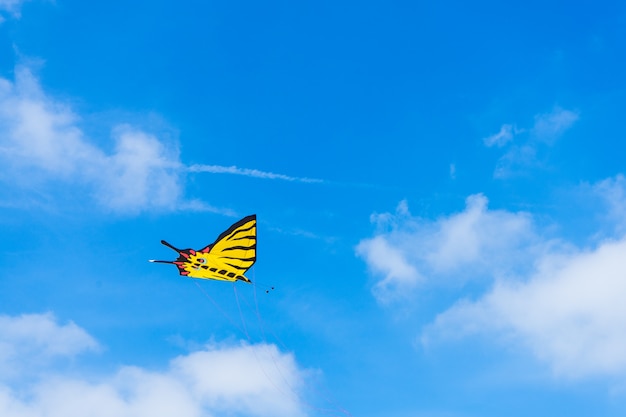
(439, 190)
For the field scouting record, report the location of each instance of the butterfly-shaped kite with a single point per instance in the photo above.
(226, 259)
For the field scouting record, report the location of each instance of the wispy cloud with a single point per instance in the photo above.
(501, 138)
(452, 171)
(549, 126)
(234, 379)
(517, 161)
(12, 7)
(218, 169)
(201, 206)
(522, 155)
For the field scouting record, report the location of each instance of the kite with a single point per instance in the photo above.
(226, 259)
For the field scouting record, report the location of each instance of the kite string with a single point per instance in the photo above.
(243, 322)
(263, 326)
(220, 309)
(243, 329)
(254, 350)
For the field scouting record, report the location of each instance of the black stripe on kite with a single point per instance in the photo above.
(243, 268)
(236, 232)
(232, 228)
(241, 247)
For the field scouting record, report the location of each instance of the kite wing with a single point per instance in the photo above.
(235, 249)
(226, 259)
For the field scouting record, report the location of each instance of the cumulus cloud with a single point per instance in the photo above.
(40, 140)
(235, 379)
(255, 380)
(569, 313)
(399, 276)
(140, 173)
(562, 304)
(38, 339)
(473, 244)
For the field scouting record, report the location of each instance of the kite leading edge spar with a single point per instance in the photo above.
(226, 259)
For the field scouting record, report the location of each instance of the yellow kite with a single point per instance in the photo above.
(226, 259)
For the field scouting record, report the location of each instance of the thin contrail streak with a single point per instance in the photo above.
(219, 169)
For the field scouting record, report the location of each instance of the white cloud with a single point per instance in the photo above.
(241, 379)
(476, 236)
(38, 132)
(40, 141)
(476, 243)
(141, 172)
(550, 126)
(526, 155)
(255, 380)
(201, 206)
(218, 169)
(38, 338)
(613, 192)
(452, 171)
(563, 305)
(399, 276)
(501, 138)
(569, 313)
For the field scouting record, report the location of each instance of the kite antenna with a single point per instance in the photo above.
(170, 246)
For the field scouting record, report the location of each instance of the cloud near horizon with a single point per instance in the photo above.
(236, 379)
